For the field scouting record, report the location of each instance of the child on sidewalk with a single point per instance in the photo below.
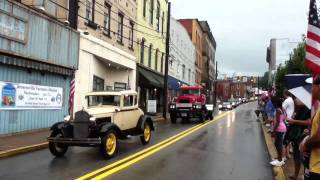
(279, 131)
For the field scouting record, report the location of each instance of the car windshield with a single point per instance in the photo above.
(186, 92)
(226, 103)
(112, 100)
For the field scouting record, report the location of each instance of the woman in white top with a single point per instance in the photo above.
(288, 108)
(288, 104)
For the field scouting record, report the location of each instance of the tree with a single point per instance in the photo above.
(263, 81)
(295, 65)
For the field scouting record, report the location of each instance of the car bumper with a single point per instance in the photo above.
(76, 141)
(186, 113)
(226, 108)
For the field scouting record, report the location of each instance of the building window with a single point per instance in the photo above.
(150, 55)
(142, 51)
(120, 28)
(151, 11)
(162, 23)
(183, 71)
(131, 35)
(158, 16)
(238, 93)
(107, 17)
(144, 8)
(238, 86)
(162, 57)
(89, 10)
(189, 75)
(156, 59)
(118, 86)
(98, 84)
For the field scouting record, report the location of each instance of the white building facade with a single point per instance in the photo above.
(102, 67)
(182, 58)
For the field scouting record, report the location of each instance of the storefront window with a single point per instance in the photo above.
(98, 84)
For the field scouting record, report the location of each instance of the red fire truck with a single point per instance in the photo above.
(191, 103)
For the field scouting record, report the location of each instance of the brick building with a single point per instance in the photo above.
(223, 90)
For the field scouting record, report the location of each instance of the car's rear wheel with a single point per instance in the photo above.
(209, 116)
(202, 117)
(173, 118)
(146, 137)
(109, 144)
(57, 149)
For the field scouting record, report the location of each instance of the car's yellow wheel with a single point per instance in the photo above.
(145, 138)
(109, 144)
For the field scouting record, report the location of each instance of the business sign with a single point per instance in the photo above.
(152, 106)
(16, 96)
(12, 27)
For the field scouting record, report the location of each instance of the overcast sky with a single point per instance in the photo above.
(243, 29)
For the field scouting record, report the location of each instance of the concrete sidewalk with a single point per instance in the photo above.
(31, 141)
(24, 142)
(284, 172)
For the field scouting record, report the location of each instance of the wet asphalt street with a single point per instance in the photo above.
(231, 148)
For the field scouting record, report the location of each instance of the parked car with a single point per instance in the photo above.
(225, 106)
(109, 116)
(234, 104)
(244, 100)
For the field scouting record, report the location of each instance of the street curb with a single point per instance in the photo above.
(21, 150)
(277, 171)
(159, 119)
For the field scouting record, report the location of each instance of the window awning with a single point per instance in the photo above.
(152, 78)
(174, 83)
(34, 65)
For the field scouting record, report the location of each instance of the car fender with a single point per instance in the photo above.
(58, 125)
(142, 120)
(108, 126)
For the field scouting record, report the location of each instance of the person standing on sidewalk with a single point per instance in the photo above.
(288, 108)
(312, 144)
(270, 110)
(279, 131)
(300, 122)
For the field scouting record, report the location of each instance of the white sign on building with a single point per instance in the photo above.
(152, 106)
(15, 96)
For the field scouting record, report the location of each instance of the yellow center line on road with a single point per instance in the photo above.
(146, 152)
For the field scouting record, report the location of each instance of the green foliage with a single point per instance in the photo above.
(295, 65)
(263, 81)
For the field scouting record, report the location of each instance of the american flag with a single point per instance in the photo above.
(71, 93)
(312, 60)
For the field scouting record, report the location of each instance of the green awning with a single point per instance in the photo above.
(152, 78)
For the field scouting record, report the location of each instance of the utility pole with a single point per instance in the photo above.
(215, 85)
(258, 91)
(165, 91)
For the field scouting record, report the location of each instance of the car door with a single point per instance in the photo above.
(129, 112)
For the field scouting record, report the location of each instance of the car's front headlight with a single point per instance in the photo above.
(220, 106)
(172, 106)
(229, 106)
(92, 118)
(196, 106)
(67, 118)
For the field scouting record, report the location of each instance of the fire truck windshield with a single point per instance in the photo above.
(188, 92)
